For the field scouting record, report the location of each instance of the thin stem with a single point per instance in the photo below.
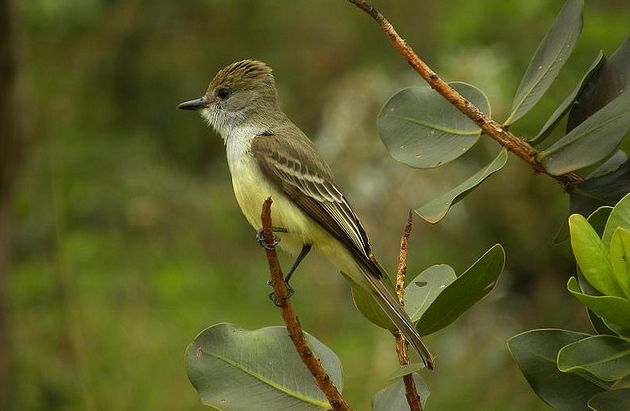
(413, 398)
(490, 127)
(294, 328)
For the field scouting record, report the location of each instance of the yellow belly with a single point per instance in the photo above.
(251, 189)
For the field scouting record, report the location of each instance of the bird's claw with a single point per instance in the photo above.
(280, 302)
(260, 238)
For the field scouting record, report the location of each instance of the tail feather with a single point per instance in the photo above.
(399, 317)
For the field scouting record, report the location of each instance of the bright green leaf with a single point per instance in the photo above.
(474, 284)
(424, 289)
(612, 309)
(620, 258)
(619, 217)
(392, 397)
(233, 368)
(605, 356)
(437, 208)
(591, 141)
(421, 129)
(536, 351)
(614, 400)
(549, 58)
(592, 256)
(404, 370)
(569, 101)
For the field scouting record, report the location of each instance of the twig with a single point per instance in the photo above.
(294, 328)
(413, 398)
(490, 127)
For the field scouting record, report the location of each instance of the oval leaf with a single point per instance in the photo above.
(474, 284)
(620, 258)
(424, 289)
(612, 309)
(569, 101)
(613, 400)
(233, 368)
(392, 397)
(437, 208)
(421, 129)
(592, 256)
(608, 83)
(591, 141)
(549, 58)
(536, 351)
(604, 356)
(619, 217)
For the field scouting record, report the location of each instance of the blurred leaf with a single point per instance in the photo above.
(536, 351)
(604, 187)
(424, 289)
(614, 400)
(421, 129)
(612, 309)
(437, 208)
(591, 141)
(233, 368)
(474, 284)
(605, 356)
(568, 102)
(619, 217)
(549, 58)
(622, 383)
(606, 85)
(404, 370)
(392, 397)
(620, 258)
(592, 256)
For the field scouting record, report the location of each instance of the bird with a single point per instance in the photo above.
(269, 156)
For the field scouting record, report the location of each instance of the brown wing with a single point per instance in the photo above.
(295, 167)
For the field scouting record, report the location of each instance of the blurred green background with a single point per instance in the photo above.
(127, 240)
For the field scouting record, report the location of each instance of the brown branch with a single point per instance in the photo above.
(294, 328)
(516, 145)
(413, 398)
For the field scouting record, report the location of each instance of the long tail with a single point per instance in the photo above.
(399, 317)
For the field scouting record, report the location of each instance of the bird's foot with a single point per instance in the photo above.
(277, 301)
(260, 238)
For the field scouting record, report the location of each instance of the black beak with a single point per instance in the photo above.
(197, 104)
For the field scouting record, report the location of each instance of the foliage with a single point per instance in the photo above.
(570, 370)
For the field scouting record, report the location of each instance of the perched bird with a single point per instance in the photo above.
(268, 155)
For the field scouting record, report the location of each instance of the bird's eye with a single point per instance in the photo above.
(223, 93)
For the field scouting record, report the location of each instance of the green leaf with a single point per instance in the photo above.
(592, 256)
(619, 217)
(614, 400)
(233, 368)
(370, 309)
(424, 289)
(392, 397)
(536, 351)
(421, 129)
(612, 309)
(549, 58)
(437, 208)
(596, 321)
(608, 83)
(404, 370)
(605, 356)
(474, 284)
(620, 258)
(591, 141)
(569, 101)
(604, 187)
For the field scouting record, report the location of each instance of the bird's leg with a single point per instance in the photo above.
(260, 238)
(290, 291)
